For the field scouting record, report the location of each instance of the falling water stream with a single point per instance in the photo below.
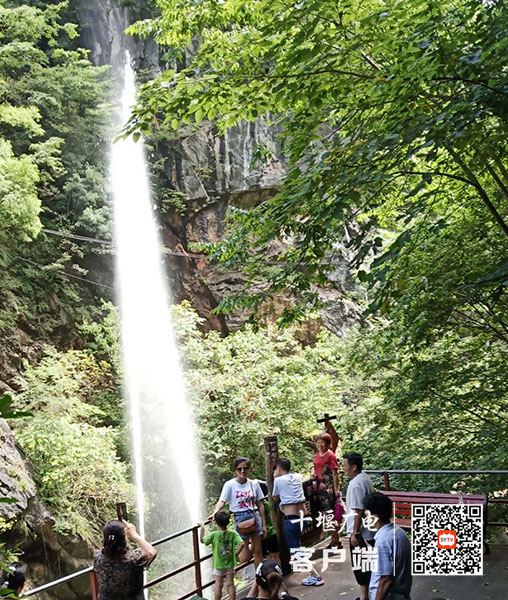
(167, 474)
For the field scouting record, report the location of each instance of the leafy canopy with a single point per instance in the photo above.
(394, 118)
(54, 124)
(394, 122)
(253, 384)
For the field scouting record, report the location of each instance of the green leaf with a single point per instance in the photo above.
(6, 411)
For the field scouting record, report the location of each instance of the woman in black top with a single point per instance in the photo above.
(268, 582)
(119, 569)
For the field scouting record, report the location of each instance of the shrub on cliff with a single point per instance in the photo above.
(69, 440)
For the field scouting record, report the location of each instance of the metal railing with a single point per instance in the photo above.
(196, 563)
(386, 477)
(52, 584)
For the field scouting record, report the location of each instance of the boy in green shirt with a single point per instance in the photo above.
(226, 546)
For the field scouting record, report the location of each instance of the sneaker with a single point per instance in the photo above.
(334, 545)
(313, 580)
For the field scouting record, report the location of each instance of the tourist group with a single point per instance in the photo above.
(365, 518)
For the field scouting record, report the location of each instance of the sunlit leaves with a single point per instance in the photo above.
(394, 125)
(376, 101)
(68, 431)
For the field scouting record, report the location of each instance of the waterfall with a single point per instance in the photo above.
(167, 473)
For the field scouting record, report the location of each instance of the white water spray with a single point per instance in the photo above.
(167, 474)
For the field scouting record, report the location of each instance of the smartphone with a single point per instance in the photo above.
(121, 511)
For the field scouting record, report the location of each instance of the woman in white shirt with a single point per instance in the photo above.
(245, 499)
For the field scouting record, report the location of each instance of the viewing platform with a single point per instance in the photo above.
(340, 582)
(339, 579)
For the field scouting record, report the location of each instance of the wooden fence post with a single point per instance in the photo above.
(197, 571)
(93, 585)
(271, 456)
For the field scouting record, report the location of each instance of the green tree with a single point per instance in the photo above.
(400, 409)
(54, 124)
(393, 116)
(253, 384)
(394, 120)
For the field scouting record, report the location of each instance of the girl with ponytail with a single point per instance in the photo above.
(268, 582)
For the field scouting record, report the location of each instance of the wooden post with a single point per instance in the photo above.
(336, 441)
(93, 585)
(329, 428)
(271, 456)
(197, 569)
(387, 480)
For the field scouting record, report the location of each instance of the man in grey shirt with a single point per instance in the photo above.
(391, 579)
(358, 489)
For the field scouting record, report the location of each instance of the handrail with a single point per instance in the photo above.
(77, 574)
(52, 584)
(385, 472)
(427, 472)
(168, 538)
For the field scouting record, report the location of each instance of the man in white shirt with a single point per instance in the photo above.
(359, 488)
(288, 490)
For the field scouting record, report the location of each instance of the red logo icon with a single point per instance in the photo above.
(446, 539)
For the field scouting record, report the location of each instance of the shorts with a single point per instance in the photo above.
(222, 572)
(270, 545)
(243, 516)
(362, 577)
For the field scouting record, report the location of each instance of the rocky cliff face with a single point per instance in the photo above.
(213, 173)
(27, 524)
(102, 25)
(209, 172)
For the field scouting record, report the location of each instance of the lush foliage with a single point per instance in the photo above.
(70, 431)
(54, 117)
(253, 384)
(394, 116)
(394, 125)
(394, 119)
(249, 385)
(244, 387)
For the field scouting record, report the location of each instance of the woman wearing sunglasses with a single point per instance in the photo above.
(245, 499)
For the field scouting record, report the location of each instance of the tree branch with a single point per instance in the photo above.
(498, 180)
(481, 326)
(481, 192)
(472, 82)
(502, 168)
